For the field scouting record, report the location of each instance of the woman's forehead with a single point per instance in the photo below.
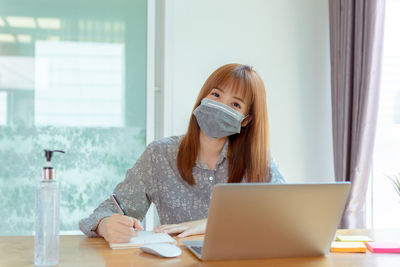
(236, 88)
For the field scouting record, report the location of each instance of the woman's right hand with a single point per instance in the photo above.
(118, 228)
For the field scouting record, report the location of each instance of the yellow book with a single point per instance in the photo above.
(348, 247)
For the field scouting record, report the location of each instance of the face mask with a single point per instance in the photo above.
(218, 120)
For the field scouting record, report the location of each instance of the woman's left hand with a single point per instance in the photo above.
(183, 229)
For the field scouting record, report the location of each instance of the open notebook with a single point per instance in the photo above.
(144, 238)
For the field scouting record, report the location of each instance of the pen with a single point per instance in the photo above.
(121, 210)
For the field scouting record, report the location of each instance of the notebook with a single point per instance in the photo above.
(144, 238)
(353, 238)
(348, 247)
(383, 247)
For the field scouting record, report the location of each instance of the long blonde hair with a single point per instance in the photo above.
(248, 151)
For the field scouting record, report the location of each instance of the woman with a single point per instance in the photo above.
(227, 141)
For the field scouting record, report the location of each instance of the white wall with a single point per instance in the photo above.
(288, 44)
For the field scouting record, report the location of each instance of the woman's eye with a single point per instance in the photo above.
(215, 94)
(236, 105)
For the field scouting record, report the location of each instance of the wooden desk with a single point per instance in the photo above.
(82, 251)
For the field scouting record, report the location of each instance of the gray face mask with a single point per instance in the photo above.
(217, 120)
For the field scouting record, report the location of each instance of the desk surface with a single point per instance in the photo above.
(82, 251)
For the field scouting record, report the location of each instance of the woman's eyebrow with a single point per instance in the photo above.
(241, 100)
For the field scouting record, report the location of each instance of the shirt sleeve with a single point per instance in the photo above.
(134, 193)
(276, 175)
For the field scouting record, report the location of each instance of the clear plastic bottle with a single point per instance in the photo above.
(47, 217)
(47, 240)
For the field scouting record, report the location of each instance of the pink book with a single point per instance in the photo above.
(383, 247)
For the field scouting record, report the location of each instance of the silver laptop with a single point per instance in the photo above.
(250, 221)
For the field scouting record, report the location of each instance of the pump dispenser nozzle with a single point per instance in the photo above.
(49, 153)
(47, 216)
(48, 171)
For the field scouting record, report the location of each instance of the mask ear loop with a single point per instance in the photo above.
(248, 115)
(245, 117)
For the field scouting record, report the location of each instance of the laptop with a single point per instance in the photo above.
(254, 220)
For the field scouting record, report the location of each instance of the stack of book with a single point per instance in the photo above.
(360, 244)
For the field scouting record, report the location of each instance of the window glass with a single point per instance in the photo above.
(72, 77)
(385, 199)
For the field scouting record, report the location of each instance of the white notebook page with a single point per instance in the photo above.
(144, 238)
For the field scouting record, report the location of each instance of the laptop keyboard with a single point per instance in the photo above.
(197, 249)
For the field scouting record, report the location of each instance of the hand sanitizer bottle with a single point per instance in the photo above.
(47, 216)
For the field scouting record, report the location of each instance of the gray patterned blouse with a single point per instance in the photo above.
(155, 178)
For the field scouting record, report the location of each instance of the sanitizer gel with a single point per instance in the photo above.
(47, 216)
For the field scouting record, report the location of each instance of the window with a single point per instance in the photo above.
(3, 108)
(385, 200)
(72, 77)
